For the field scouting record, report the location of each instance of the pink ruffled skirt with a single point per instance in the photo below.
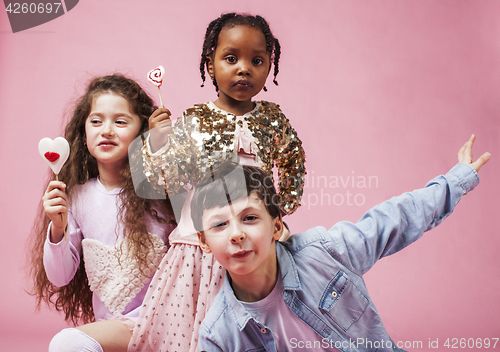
(179, 295)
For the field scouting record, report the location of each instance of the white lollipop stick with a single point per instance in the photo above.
(55, 153)
(156, 77)
(159, 93)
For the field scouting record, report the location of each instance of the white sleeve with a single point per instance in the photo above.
(61, 260)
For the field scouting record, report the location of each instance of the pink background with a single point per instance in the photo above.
(388, 88)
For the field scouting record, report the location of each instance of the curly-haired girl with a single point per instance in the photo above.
(115, 239)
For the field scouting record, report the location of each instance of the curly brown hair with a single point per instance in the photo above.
(75, 299)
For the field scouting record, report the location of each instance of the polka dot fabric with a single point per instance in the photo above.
(179, 295)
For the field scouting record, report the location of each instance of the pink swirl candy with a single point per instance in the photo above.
(156, 76)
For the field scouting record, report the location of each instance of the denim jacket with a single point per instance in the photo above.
(322, 272)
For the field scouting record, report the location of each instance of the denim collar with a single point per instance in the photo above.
(240, 315)
(288, 269)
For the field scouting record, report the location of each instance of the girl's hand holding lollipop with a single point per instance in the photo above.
(160, 125)
(55, 153)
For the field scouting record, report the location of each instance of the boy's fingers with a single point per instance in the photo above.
(469, 144)
(462, 154)
(483, 159)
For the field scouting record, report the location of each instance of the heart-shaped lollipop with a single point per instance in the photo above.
(156, 77)
(54, 152)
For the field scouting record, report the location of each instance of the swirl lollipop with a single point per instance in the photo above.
(55, 153)
(156, 77)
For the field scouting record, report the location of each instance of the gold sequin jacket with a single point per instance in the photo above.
(206, 135)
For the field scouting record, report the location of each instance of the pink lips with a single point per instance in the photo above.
(243, 83)
(241, 254)
(106, 144)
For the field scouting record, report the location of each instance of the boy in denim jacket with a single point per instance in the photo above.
(307, 293)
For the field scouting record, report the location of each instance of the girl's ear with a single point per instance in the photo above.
(210, 66)
(278, 228)
(203, 244)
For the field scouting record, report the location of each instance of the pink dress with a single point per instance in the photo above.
(188, 279)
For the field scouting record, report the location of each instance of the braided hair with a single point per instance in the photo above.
(232, 20)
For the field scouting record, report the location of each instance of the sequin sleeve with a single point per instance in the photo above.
(153, 174)
(290, 161)
(280, 146)
(189, 154)
(165, 169)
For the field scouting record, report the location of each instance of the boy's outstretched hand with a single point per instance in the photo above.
(465, 155)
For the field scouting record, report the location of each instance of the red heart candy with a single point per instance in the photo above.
(51, 156)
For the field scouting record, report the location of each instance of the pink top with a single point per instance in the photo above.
(94, 230)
